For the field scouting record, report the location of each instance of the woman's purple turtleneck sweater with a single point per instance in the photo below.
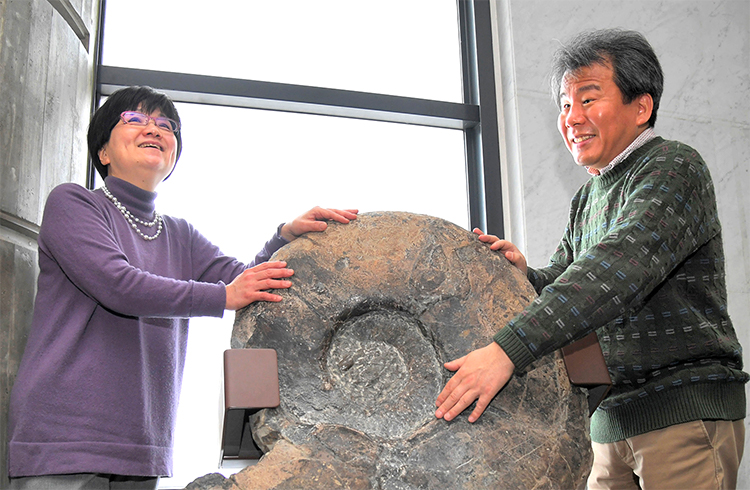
(98, 385)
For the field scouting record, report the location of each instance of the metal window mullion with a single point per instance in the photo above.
(233, 92)
(482, 142)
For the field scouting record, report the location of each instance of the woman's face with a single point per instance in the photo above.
(141, 155)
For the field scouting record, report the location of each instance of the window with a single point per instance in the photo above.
(408, 48)
(257, 83)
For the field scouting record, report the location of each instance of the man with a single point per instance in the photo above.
(642, 264)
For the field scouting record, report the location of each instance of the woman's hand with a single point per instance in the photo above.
(313, 220)
(510, 251)
(253, 283)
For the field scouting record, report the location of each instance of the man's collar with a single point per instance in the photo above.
(641, 140)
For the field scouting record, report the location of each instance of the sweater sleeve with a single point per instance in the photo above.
(211, 265)
(558, 264)
(666, 211)
(83, 240)
(271, 246)
(80, 238)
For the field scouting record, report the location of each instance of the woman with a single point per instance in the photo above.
(96, 394)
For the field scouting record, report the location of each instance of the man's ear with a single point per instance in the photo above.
(645, 107)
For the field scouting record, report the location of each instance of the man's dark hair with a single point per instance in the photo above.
(144, 99)
(636, 68)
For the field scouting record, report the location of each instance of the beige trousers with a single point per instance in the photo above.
(704, 454)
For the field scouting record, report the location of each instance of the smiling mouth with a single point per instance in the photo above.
(151, 145)
(581, 139)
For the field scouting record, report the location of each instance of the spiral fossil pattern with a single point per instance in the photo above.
(377, 306)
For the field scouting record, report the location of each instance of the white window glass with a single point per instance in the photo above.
(395, 47)
(243, 172)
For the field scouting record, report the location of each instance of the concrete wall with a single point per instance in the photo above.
(46, 85)
(704, 48)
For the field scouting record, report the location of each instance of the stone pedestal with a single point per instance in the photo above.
(376, 308)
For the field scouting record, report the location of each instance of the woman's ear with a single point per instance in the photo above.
(103, 157)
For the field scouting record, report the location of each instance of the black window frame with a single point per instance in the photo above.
(477, 116)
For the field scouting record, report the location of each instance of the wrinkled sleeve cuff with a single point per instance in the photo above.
(514, 348)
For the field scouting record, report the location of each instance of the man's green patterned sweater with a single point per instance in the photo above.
(642, 263)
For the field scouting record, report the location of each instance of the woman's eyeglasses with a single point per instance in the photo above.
(138, 119)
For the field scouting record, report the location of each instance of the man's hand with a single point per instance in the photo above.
(313, 220)
(253, 283)
(481, 375)
(505, 247)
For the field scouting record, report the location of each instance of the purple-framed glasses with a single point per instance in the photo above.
(140, 119)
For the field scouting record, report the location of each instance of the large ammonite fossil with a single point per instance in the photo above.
(376, 308)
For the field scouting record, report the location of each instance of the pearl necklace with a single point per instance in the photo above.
(133, 219)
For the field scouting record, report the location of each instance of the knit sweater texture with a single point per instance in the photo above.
(99, 381)
(641, 262)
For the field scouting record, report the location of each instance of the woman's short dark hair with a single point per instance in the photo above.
(142, 98)
(636, 68)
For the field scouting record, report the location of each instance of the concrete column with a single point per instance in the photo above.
(46, 86)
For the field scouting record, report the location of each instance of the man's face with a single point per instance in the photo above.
(594, 122)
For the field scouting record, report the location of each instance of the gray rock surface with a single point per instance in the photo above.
(376, 308)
